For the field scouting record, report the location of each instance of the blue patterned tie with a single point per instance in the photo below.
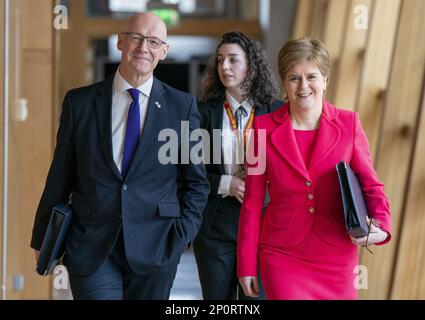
(132, 132)
(240, 114)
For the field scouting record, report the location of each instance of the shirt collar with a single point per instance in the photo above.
(121, 85)
(235, 105)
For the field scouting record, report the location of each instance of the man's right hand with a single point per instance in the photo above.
(37, 255)
(237, 188)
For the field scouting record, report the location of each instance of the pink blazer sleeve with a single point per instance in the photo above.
(373, 189)
(251, 212)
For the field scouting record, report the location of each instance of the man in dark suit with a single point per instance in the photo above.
(133, 215)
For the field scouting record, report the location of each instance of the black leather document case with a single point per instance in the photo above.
(52, 248)
(355, 209)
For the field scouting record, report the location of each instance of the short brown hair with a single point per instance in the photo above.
(297, 50)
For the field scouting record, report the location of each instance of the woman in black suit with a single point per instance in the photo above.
(239, 86)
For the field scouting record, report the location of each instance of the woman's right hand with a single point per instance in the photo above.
(237, 188)
(250, 286)
(376, 235)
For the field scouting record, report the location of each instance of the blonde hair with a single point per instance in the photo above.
(297, 50)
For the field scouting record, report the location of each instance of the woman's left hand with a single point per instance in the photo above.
(376, 235)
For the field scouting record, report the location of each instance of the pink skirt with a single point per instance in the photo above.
(310, 270)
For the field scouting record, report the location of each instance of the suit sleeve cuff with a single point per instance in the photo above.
(224, 185)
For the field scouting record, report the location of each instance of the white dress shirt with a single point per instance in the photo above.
(121, 101)
(229, 143)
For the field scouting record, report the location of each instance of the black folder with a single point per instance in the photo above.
(355, 208)
(53, 246)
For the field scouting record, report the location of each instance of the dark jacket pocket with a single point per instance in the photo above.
(169, 209)
(80, 206)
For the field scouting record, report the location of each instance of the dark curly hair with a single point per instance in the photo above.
(259, 84)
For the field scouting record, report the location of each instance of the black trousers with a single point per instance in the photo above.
(114, 280)
(216, 261)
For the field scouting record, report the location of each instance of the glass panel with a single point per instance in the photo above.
(235, 9)
(127, 5)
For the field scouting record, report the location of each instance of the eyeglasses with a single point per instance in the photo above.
(137, 38)
(367, 238)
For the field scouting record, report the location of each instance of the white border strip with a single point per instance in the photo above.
(5, 148)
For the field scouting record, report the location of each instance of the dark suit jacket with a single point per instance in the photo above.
(157, 223)
(212, 118)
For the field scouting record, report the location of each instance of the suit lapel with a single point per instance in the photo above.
(157, 107)
(103, 105)
(283, 140)
(327, 136)
(216, 115)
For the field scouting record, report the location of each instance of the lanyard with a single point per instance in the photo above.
(234, 124)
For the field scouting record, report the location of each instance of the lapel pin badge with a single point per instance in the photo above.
(158, 104)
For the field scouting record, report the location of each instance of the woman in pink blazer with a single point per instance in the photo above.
(300, 243)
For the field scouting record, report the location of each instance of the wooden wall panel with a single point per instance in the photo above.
(351, 61)
(318, 18)
(333, 35)
(32, 29)
(311, 18)
(30, 141)
(380, 72)
(409, 279)
(335, 26)
(73, 50)
(326, 21)
(250, 10)
(396, 144)
(12, 259)
(32, 145)
(377, 66)
(302, 20)
(411, 69)
(1, 125)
